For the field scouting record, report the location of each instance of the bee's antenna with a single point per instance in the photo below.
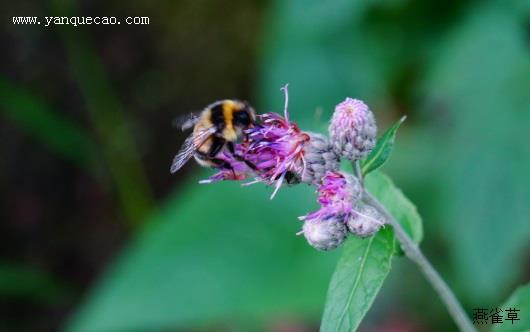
(185, 122)
(176, 122)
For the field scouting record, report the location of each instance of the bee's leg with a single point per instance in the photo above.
(291, 178)
(248, 163)
(224, 164)
(230, 147)
(216, 147)
(220, 163)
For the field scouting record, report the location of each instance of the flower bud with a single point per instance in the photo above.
(365, 221)
(353, 129)
(339, 191)
(319, 158)
(325, 234)
(337, 195)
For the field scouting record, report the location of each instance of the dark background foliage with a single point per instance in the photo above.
(95, 235)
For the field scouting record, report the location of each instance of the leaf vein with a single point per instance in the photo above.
(356, 283)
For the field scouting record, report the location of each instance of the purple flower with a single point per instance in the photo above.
(326, 228)
(337, 196)
(276, 148)
(353, 129)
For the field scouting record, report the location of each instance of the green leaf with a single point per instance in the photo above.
(25, 282)
(482, 165)
(62, 136)
(519, 300)
(365, 263)
(382, 150)
(399, 206)
(359, 275)
(108, 119)
(214, 253)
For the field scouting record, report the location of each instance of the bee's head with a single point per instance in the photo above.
(244, 116)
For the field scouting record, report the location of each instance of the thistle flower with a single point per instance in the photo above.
(325, 234)
(275, 151)
(337, 195)
(276, 147)
(365, 222)
(319, 159)
(353, 129)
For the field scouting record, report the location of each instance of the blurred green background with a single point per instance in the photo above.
(95, 235)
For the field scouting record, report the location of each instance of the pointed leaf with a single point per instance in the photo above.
(359, 275)
(382, 150)
(62, 136)
(520, 300)
(399, 206)
(24, 282)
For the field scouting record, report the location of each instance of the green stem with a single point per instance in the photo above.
(414, 253)
(358, 172)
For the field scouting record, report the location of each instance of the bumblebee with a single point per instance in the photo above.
(219, 125)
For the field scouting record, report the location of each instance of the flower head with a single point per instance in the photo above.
(337, 195)
(319, 159)
(276, 148)
(353, 129)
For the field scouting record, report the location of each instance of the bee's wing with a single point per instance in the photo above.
(188, 148)
(185, 122)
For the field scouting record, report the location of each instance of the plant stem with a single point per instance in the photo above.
(414, 253)
(358, 172)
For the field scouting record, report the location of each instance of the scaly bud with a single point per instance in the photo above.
(353, 129)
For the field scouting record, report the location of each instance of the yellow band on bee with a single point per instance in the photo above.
(228, 113)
